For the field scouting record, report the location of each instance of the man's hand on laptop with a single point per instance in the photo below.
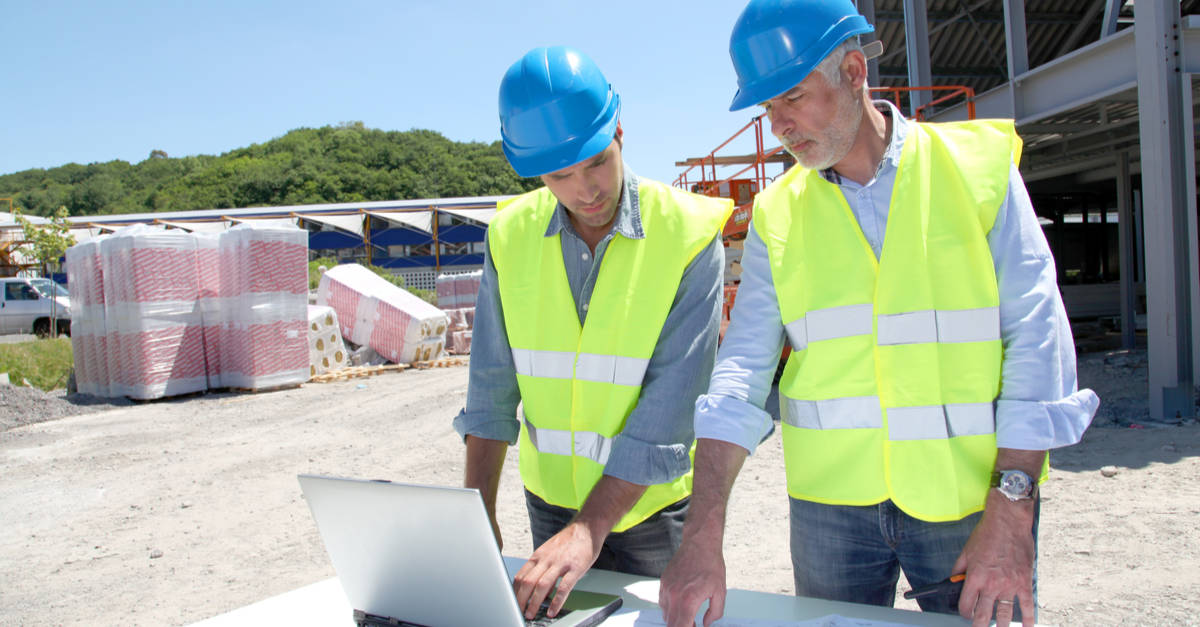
(568, 554)
(562, 560)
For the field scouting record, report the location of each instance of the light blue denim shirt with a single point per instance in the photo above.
(653, 446)
(1039, 406)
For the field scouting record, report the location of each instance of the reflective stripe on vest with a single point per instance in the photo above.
(932, 422)
(962, 325)
(828, 324)
(587, 444)
(586, 367)
(914, 327)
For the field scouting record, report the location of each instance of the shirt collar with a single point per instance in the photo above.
(891, 154)
(629, 215)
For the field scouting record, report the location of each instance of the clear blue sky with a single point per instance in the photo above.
(90, 81)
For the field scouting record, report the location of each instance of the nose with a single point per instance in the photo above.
(593, 186)
(780, 123)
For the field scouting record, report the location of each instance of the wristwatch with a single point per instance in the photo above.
(1015, 484)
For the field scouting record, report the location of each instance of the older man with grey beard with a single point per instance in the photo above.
(932, 364)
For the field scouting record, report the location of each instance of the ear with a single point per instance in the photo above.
(854, 69)
(619, 135)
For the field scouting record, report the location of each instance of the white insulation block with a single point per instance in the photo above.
(326, 350)
(398, 325)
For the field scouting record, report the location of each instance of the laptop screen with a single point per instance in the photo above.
(421, 554)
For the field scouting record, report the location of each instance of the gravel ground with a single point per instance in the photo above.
(167, 512)
(22, 405)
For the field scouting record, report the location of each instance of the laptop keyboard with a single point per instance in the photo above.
(541, 620)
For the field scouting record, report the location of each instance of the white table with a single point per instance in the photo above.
(323, 603)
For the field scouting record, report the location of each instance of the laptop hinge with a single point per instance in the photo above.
(363, 619)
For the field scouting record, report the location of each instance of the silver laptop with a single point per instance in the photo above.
(424, 556)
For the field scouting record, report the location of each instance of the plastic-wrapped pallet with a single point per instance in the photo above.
(458, 338)
(154, 344)
(88, 332)
(399, 326)
(208, 300)
(460, 342)
(455, 318)
(447, 298)
(326, 351)
(466, 288)
(264, 299)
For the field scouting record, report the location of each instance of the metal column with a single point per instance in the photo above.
(867, 9)
(1164, 187)
(916, 43)
(1125, 232)
(1193, 231)
(1108, 24)
(1017, 46)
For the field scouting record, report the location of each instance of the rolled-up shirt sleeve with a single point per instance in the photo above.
(492, 392)
(1040, 406)
(653, 446)
(732, 410)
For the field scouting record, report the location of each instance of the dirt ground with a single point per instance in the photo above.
(173, 511)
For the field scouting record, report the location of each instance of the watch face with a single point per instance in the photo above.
(1015, 483)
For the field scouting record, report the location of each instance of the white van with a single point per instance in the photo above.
(26, 306)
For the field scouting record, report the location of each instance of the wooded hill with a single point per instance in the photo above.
(344, 163)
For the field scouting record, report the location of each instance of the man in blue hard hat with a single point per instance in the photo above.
(598, 312)
(932, 364)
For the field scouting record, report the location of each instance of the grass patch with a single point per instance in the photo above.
(45, 363)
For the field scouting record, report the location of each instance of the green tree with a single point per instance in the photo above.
(47, 243)
(344, 163)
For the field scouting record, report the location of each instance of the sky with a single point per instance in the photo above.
(88, 82)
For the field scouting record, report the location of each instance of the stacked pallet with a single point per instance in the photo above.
(166, 312)
(373, 312)
(458, 290)
(462, 324)
(89, 335)
(264, 289)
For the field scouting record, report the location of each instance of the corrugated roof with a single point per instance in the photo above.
(967, 37)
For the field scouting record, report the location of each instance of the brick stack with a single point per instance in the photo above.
(264, 285)
(462, 322)
(455, 291)
(155, 345)
(88, 333)
(209, 302)
(164, 313)
(399, 326)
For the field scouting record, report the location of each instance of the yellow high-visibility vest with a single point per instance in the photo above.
(895, 364)
(579, 383)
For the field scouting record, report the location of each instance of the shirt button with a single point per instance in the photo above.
(585, 305)
(585, 256)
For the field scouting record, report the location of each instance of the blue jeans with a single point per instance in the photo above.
(850, 553)
(643, 549)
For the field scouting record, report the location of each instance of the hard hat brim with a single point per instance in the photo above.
(531, 162)
(772, 82)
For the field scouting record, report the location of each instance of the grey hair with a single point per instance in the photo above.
(831, 65)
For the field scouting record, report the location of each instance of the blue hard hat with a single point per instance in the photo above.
(556, 110)
(776, 43)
